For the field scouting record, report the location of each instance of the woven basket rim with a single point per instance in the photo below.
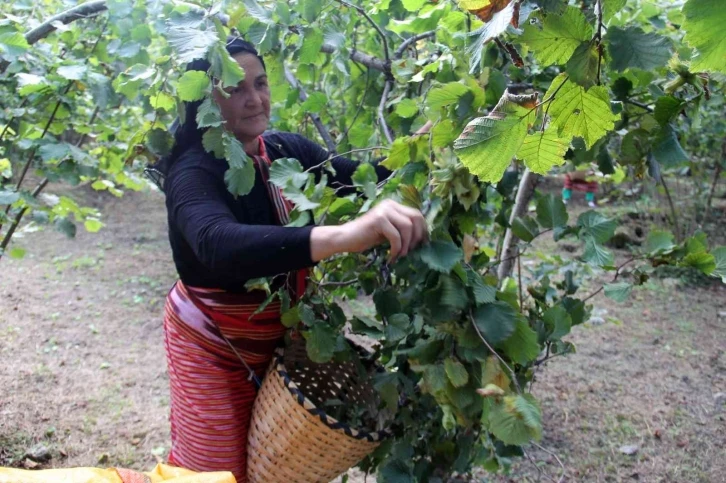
(309, 406)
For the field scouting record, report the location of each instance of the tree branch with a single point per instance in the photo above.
(411, 40)
(640, 105)
(598, 9)
(509, 248)
(381, 34)
(381, 111)
(316, 118)
(491, 349)
(84, 10)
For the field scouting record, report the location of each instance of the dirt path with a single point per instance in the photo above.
(84, 375)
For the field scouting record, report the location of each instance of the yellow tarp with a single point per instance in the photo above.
(162, 473)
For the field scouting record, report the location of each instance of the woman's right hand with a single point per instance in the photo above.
(404, 228)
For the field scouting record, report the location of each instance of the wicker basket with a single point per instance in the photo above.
(291, 439)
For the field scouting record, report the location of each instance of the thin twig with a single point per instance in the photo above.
(598, 7)
(324, 133)
(381, 111)
(360, 106)
(539, 470)
(411, 40)
(381, 34)
(519, 277)
(491, 349)
(640, 105)
(676, 225)
(564, 470)
(716, 176)
(615, 278)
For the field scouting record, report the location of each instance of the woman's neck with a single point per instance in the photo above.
(252, 147)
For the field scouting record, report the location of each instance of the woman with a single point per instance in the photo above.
(219, 242)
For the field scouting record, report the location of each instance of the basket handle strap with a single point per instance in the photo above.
(215, 326)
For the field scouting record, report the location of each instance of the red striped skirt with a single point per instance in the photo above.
(211, 391)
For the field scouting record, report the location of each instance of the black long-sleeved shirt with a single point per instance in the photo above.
(218, 241)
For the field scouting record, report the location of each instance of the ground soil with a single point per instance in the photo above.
(83, 374)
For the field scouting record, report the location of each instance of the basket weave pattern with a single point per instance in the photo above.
(291, 439)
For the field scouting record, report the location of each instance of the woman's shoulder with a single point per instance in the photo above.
(196, 157)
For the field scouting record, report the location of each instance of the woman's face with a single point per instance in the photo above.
(247, 109)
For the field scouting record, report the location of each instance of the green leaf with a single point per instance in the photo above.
(17, 253)
(407, 108)
(321, 341)
(704, 24)
(213, 141)
(397, 327)
(240, 177)
(8, 197)
(396, 471)
(633, 48)
(667, 150)
(312, 42)
(208, 114)
(92, 226)
(719, 257)
(525, 228)
(551, 212)
(596, 254)
(399, 155)
(13, 45)
(611, 7)
(446, 95)
(72, 72)
(483, 293)
(522, 346)
(542, 151)
(259, 13)
(703, 261)
(65, 226)
(224, 67)
(557, 321)
(193, 85)
(162, 100)
(667, 108)
(593, 224)
(658, 242)
(159, 141)
(516, 420)
(441, 255)
(191, 43)
(287, 172)
(488, 144)
(413, 5)
(496, 321)
(619, 291)
(443, 134)
(556, 37)
(584, 64)
(310, 9)
(315, 102)
(577, 112)
(456, 372)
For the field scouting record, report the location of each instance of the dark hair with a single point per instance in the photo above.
(186, 133)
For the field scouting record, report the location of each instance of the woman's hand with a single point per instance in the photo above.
(403, 227)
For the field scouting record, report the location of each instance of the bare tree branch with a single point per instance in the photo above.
(316, 118)
(381, 111)
(381, 34)
(402, 48)
(84, 10)
(509, 248)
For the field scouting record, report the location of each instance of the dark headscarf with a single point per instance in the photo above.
(187, 134)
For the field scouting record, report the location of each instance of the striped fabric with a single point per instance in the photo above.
(212, 393)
